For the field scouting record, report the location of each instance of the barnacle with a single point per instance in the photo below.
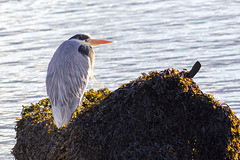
(159, 115)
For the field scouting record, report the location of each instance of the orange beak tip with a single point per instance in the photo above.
(99, 41)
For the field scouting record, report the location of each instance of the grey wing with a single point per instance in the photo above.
(66, 81)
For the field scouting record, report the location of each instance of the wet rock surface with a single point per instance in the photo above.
(160, 115)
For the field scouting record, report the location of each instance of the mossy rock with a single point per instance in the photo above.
(160, 115)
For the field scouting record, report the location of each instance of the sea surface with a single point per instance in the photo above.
(148, 35)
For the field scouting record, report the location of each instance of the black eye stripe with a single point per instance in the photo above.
(80, 37)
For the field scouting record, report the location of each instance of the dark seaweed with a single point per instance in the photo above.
(160, 115)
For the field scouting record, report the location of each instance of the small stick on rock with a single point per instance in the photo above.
(196, 67)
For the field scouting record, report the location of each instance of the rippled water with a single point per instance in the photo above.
(149, 35)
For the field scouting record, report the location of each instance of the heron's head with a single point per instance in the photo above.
(87, 40)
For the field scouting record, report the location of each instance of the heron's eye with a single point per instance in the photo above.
(87, 40)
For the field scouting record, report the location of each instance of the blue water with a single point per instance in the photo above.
(147, 34)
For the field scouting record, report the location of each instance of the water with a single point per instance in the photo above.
(149, 35)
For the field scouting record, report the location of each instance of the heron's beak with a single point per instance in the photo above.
(96, 42)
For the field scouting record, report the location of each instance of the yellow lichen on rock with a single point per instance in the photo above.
(160, 115)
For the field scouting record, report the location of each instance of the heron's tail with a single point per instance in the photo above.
(62, 115)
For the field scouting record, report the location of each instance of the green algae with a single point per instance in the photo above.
(160, 115)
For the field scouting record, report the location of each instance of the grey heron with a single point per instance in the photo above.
(67, 75)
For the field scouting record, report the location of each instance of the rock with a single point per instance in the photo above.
(160, 115)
